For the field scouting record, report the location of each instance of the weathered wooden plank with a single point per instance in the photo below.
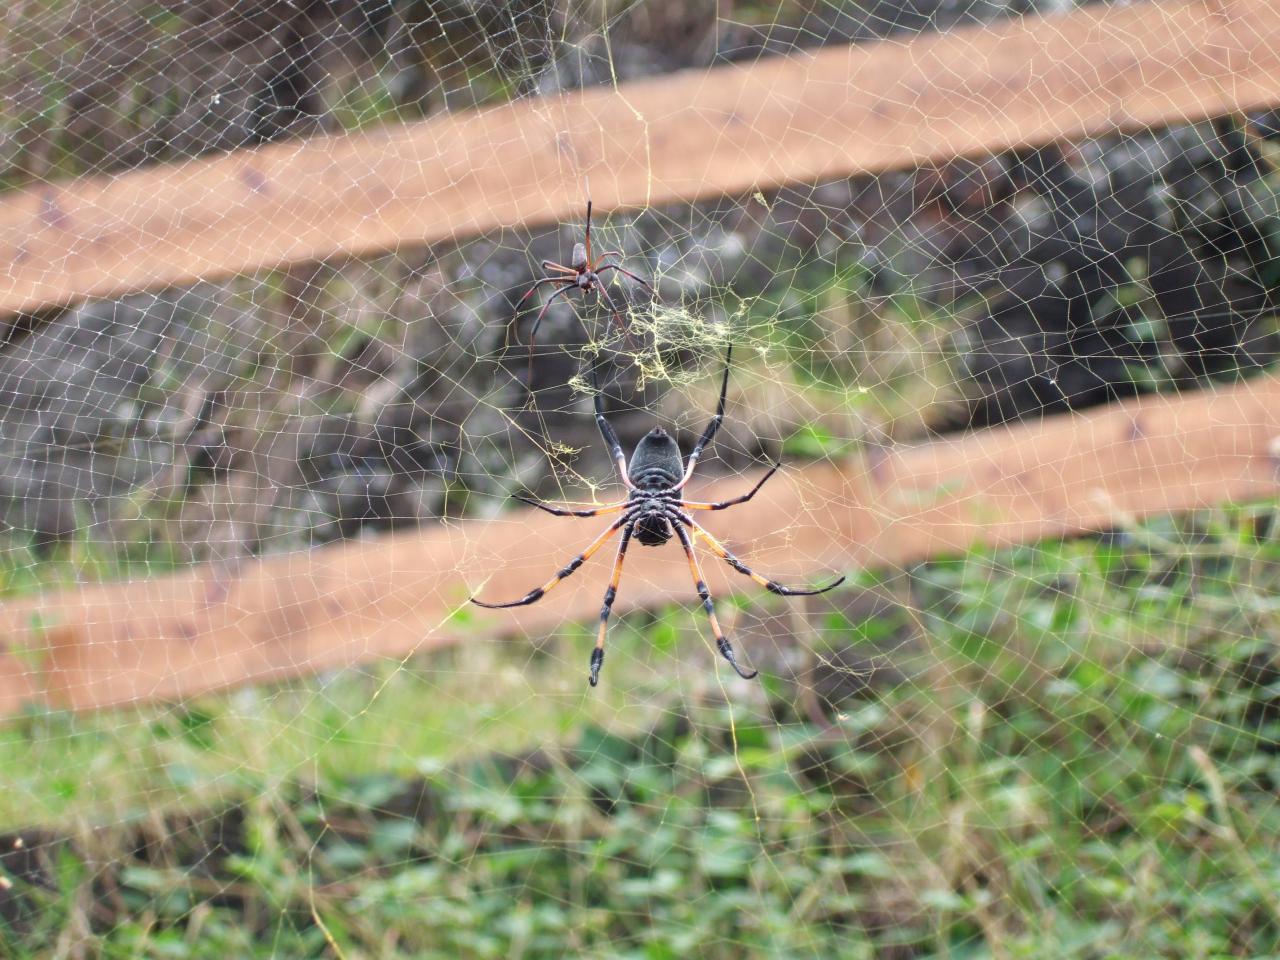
(698, 134)
(297, 614)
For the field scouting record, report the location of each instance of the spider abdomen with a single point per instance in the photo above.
(653, 530)
(656, 463)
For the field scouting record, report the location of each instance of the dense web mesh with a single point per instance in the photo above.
(1039, 719)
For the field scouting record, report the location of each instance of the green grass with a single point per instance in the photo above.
(389, 718)
(1064, 750)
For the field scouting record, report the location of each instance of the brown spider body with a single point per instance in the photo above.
(653, 513)
(582, 274)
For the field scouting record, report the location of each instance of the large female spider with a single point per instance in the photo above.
(583, 274)
(653, 512)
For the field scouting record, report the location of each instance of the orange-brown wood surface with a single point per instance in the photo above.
(702, 133)
(295, 614)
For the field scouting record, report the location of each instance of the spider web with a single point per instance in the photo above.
(994, 745)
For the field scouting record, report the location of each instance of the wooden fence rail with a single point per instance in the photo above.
(296, 614)
(833, 113)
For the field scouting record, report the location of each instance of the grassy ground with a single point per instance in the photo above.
(1063, 750)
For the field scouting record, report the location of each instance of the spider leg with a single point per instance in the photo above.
(712, 427)
(588, 237)
(626, 273)
(726, 649)
(771, 585)
(534, 289)
(533, 330)
(608, 253)
(536, 594)
(604, 511)
(724, 504)
(610, 438)
(597, 655)
(552, 265)
(613, 308)
(618, 316)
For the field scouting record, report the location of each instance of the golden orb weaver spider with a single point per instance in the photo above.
(583, 273)
(653, 513)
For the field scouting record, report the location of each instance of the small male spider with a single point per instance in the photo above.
(583, 274)
(653, 512)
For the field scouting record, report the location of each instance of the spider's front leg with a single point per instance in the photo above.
(708, 434)
(537, 322)
(566, 286)
(607, 433)
(626, 273)
(534, 289)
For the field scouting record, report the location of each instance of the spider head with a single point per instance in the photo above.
(656, 461)
(579, 259)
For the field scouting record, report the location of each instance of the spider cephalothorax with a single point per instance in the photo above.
(653, 513)
(583, 273)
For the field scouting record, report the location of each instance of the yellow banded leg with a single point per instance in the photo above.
(597, 655)
(537, 593)
(725, 648)
(721, 551)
